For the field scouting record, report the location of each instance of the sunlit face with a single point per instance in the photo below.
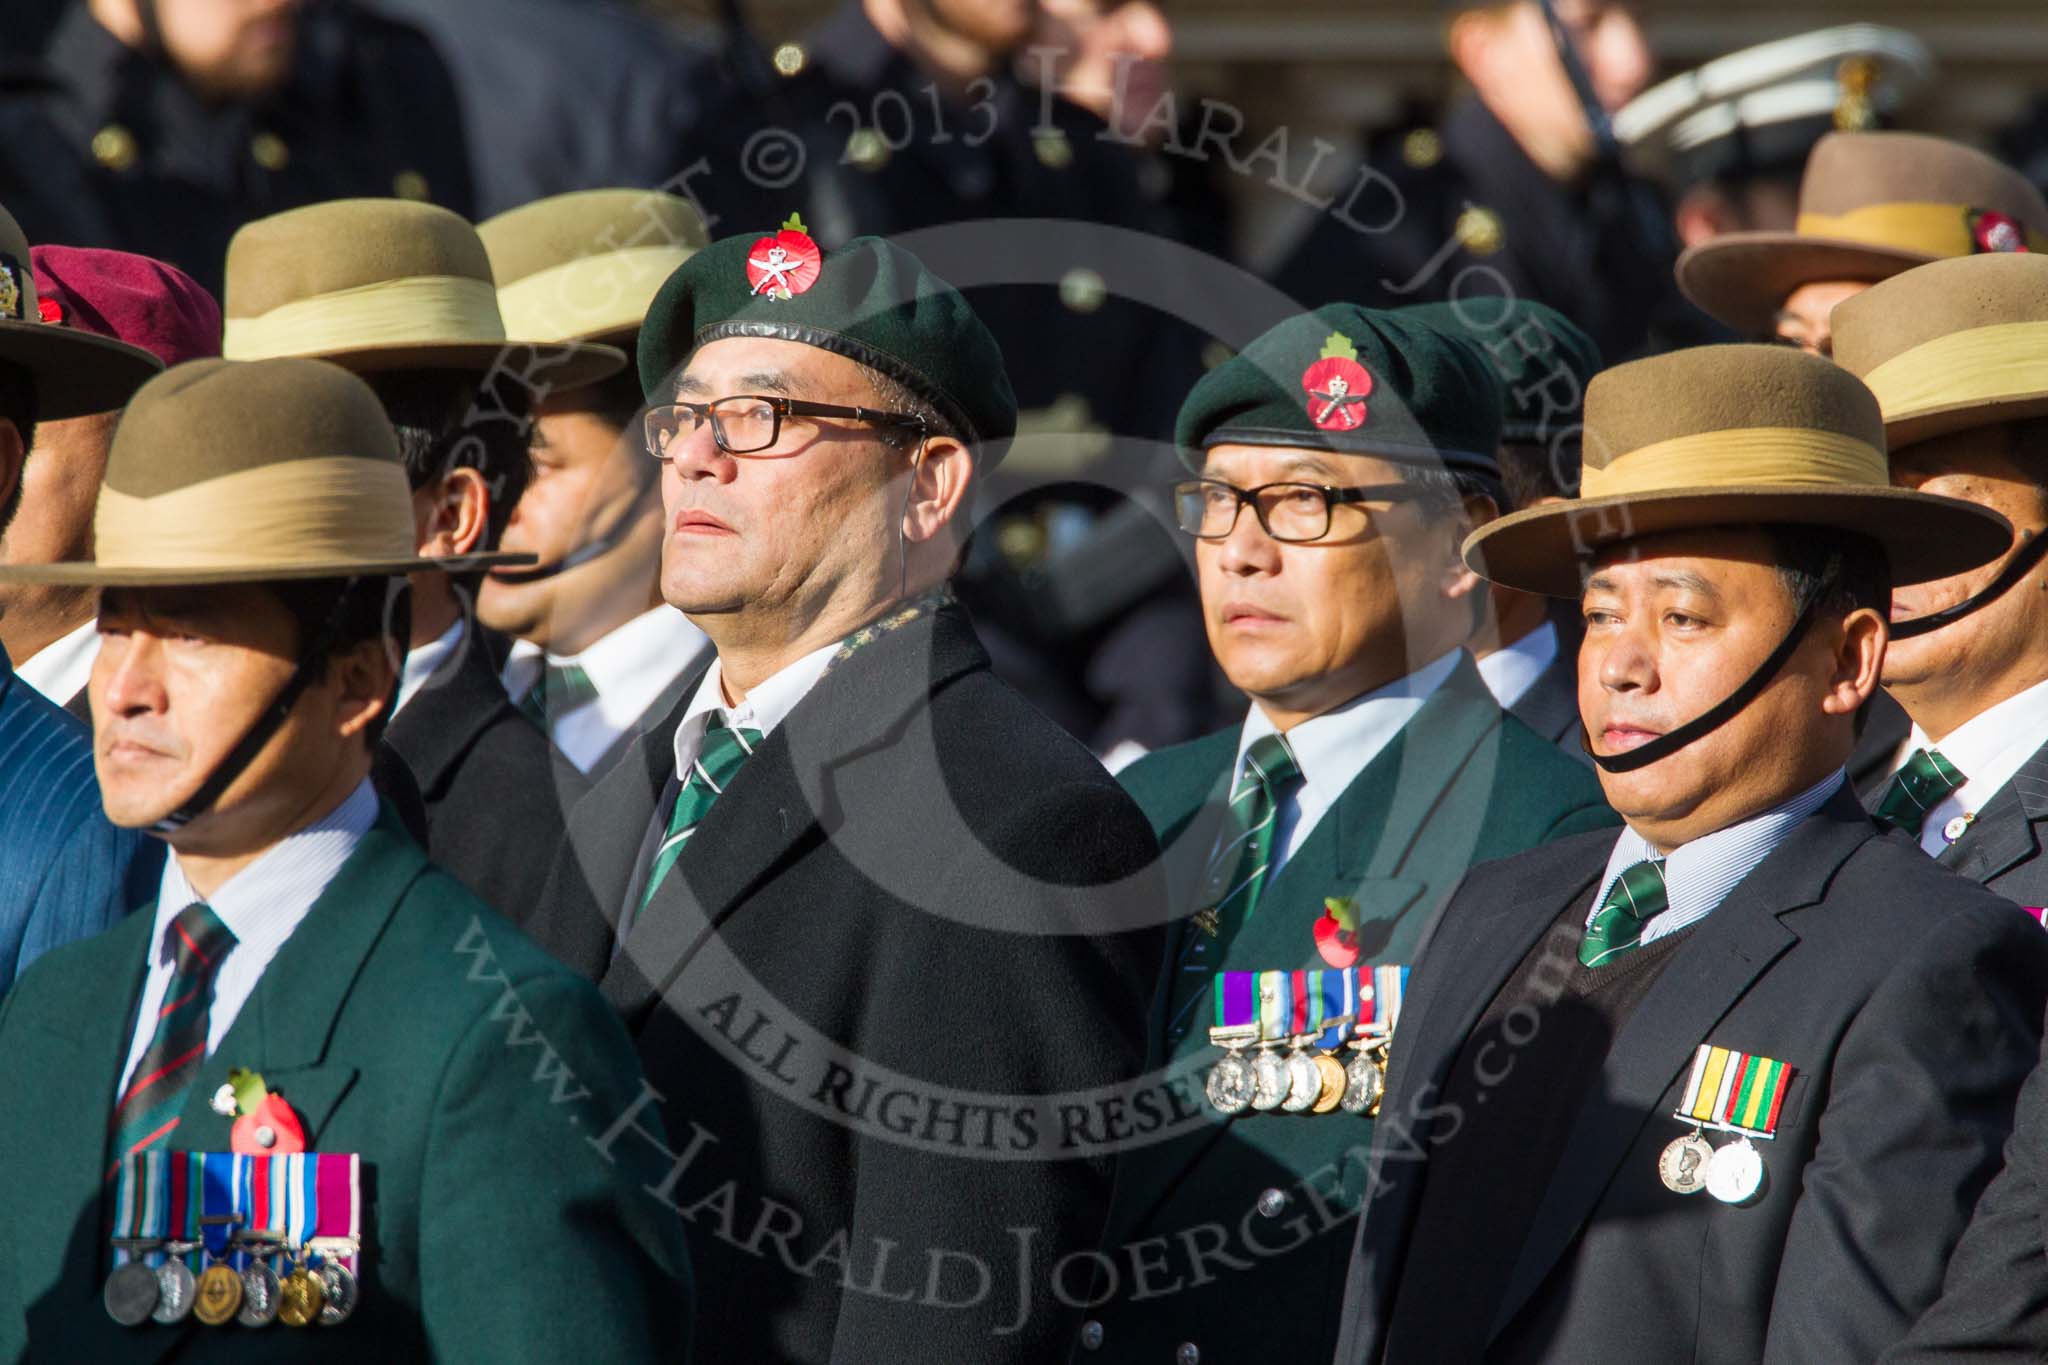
(1805, 320)
(59, 485)
(181, 676)
(1306, 627)
(994, 25)
(231, 49)
(1674, 625)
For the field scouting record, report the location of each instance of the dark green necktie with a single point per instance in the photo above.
(1639, 896)
(723, 751)
(560, 689)
(1237, 871)
(1926, 780)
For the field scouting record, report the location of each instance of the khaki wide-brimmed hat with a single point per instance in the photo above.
(1870, 206)
(382, 284)
(1952, 345)
(1732, 436)
(584, 266)
(227, 472)
(76, 372)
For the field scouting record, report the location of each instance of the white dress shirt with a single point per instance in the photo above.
(422, 661)
(1333, 748)
(766, 707)
(1513, 669)
(1698, 876)
(262, 904)
(60, 669)
(1987, 750)
(630, 668)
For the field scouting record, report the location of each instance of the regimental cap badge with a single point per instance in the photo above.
(1337, 385)
(1991, 230)
(10, 288)
(785, 263)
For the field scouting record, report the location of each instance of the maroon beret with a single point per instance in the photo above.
(130, 298)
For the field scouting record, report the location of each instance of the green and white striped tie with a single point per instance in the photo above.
(1922, 783)
(1238, 869)
(560, 689)
(1639, 896)
(723, 751)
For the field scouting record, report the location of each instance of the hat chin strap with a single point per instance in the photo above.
(263, 727)
(2008, 578)
(613, 537)
(1725, 710)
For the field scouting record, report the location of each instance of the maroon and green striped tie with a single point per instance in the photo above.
(149, 1106)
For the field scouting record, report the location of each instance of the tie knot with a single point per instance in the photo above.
(1922, 783)
(1640, 890)
(560, 689)
(198, 938)
(1270, 761)
(725, 748)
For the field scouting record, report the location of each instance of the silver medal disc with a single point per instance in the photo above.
(131, 1294)
(340, 1283)
(1270, 1082)
(259, 1295)
(1682, 1165)
(1230, 1084)
(1736, 1173)
(1364, 1083)
(1304, 1083)
(176, 1287)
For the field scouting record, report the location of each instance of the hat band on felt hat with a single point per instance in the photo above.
(1981, 365)
(333, 509)
(417, 310)
(590, 296)
(1743, 457)
(1934, 229)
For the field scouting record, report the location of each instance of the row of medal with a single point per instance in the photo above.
(1315, 1015)
(1727, 1092)
(226, 1238)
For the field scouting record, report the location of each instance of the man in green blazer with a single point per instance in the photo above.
(1341, 457)
(306, 980)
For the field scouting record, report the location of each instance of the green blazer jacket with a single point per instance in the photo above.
(1234, 1235)
(406, 1022)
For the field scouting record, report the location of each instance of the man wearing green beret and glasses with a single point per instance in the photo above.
(864, 910)
(1340, 458)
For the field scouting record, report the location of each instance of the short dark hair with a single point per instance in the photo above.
(453, 419)
(1862, 571)
(893, 395)
(352, 612)
(1530, 470)
(1444, 491)
(18, 405)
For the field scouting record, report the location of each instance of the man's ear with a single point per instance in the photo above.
(365, 679)
(938, 487)
(451, 514)
(1858, 662)
(1458, 580)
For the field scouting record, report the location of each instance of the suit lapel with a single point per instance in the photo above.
(1551, 705)
(2002, 836)
(1708, 974)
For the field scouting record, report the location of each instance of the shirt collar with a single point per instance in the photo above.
(765, 707)
(1512, 670)
(265, 901)
(630, 666)
(1334, 748)
(64, 665)
(422, 662)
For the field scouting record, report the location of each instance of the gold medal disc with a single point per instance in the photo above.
(220, 1295)
(300, 1299)
(1332, 1072)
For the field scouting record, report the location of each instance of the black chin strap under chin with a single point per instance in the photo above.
(1725, 710)
(2008, 578)
(259, 732)
(614, 536)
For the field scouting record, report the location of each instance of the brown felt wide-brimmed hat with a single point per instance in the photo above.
(230, 472)
(1871, 205)
(584, 266)
(1952, 345)
(76, 372)
(383, 284)
(1732, 436)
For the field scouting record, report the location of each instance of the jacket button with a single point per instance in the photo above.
(270, 151)
(114, 147)
(1188, 1354)
(1091, 1335)
(1271, 1203)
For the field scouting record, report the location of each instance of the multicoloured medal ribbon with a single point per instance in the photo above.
(1336, 992)
(1735, 1092)
(1380, 1006)
(1237, 1009)
(1276, 1006)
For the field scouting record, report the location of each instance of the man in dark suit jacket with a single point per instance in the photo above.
(883, 934)
(1405, 772)
(1727, 1087)
(298, 933)
(1970, 780)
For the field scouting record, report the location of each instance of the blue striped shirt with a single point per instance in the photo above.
(64, 869)
(1698, 876)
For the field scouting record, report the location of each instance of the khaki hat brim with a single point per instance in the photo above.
(82, 574)
(1741, 279)
(1545, 549)
(1949, 418)
(556, 365)
(76, 373)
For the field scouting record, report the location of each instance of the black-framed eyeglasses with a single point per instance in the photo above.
(1290, 512)
(746, 424)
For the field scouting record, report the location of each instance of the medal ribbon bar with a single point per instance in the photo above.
(1734, 1092)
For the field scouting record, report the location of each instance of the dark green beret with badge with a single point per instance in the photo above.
(869, 300)
(1542, 357)
(1361, 381)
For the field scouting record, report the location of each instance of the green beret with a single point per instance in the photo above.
(870, 301)
(1362, 381)
(1543, 359)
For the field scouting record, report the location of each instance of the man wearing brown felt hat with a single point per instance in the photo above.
(1745, 1068)
(402, 294)
(305, 986)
